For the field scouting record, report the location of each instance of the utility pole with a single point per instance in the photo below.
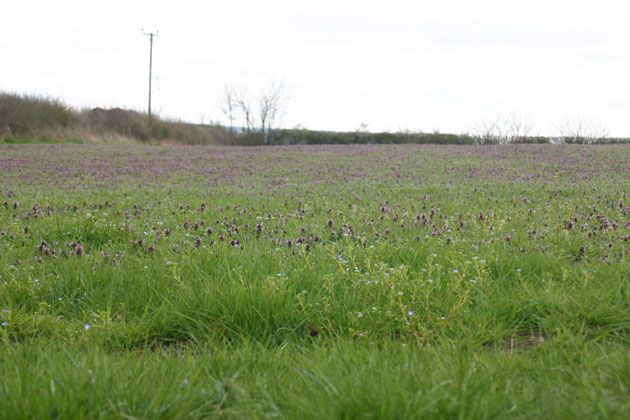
(150, 35)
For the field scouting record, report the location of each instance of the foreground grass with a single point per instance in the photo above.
(332, 379)
(320, 282)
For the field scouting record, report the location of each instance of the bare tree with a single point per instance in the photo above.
(503, 129)
(516, 127)
(229, 105)
(580, 130)
(269, 107)
(487, 132)
(258, 115)
(244, 104)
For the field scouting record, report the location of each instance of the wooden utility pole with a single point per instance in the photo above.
(150, 35)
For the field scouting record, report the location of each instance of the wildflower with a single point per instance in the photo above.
(87, 326)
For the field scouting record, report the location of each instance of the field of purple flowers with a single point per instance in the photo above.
(363, 281)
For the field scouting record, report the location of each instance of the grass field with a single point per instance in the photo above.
(330, 282)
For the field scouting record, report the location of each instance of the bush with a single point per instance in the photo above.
(117, 120)
(295, 136)
(24, 118)
(20, 114)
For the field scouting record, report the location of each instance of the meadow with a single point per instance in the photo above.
(314, 282)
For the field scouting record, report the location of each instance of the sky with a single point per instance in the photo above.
(447, 65)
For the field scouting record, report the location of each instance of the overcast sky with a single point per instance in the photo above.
(417, 65)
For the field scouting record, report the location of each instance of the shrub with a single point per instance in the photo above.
(20, 114)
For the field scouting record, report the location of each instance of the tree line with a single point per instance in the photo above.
(252, 120)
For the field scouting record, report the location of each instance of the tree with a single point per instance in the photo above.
(255, 119)
(503, 129)
(269, 107)
(580, 130)
(487, 132)
(516, 127)
(229, 105)
(244, 104)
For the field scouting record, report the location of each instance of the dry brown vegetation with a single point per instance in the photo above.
(48, 119)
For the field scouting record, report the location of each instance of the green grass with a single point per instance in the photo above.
(330, 379)
(429, 282)
(39, 140)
